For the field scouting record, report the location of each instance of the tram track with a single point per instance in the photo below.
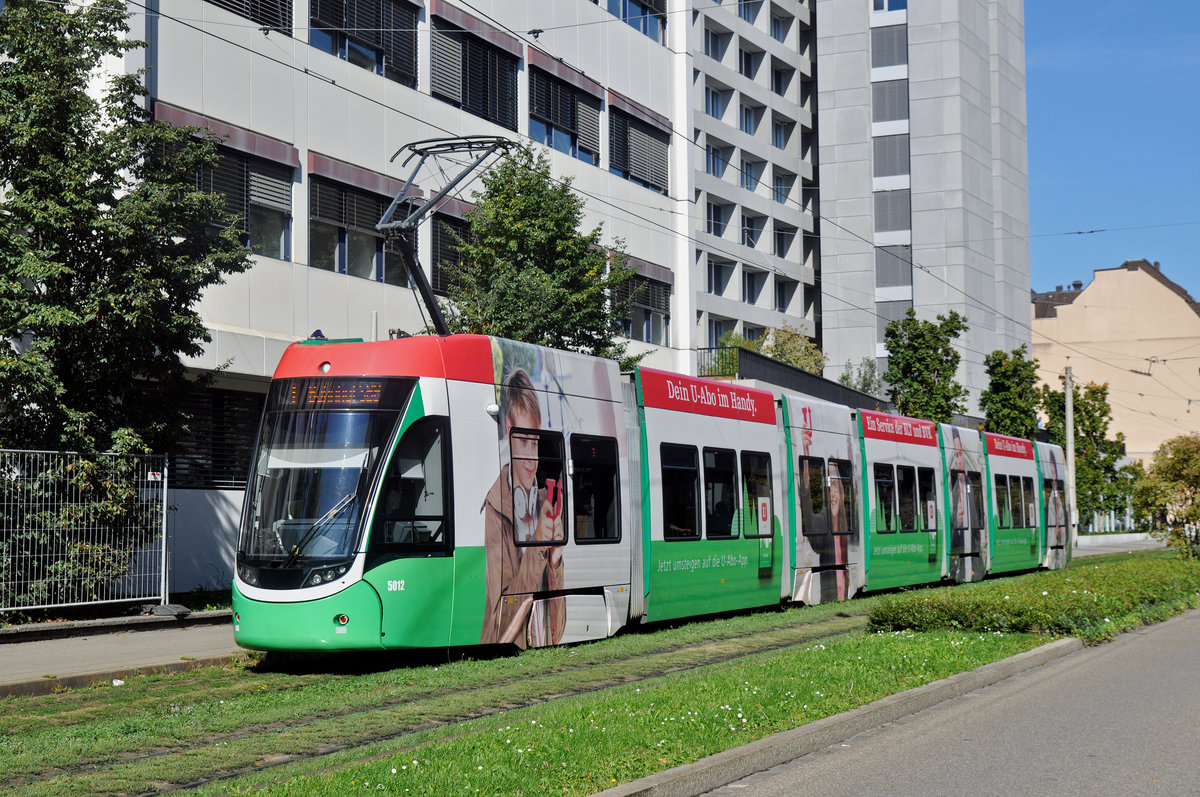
(392, 718)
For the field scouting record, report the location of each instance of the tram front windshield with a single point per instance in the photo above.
(320, 445)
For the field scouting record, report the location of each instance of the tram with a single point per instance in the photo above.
(470, 490)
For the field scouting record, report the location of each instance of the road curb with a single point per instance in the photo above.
(44, 686)
(726, 767)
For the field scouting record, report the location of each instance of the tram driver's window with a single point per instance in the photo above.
(596, 497)
(411, 511)
(680, 492)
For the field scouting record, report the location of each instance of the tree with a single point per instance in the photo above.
(786, 344)
(1098, 484)
(528, 274)
(1010, 400)
(863, 377)
(922, 361)
(789, 345)
(105, 242)
(1168, 493)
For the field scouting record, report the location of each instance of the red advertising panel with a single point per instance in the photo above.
(999, 445)
(669, 391)
(898, 429)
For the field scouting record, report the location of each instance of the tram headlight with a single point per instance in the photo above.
(248, 575)
(326, 574)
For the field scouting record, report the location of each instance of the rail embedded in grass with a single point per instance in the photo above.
(1094, 600)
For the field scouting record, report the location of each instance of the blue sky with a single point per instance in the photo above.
(1114, 137)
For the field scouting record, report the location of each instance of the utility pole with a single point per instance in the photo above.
(1072, 510)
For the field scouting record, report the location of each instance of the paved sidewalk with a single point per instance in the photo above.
(38, 660)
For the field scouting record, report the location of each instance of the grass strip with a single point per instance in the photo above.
(262, 727)
(583, 744)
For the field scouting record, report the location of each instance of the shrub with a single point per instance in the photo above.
(1093, 601)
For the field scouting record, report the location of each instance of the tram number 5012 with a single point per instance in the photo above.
(396, 586)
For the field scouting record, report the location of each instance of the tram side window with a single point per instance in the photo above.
(906, 493)
(680, 492)
(1003, 513)
(757, 491)
(885, 498)
(538, 479)
(720, 492)
(975, 480)
(928, 489)
(811, 486)
(1030, 501)
(596, 493)
(1017, 502)
(958, 500)
(412, 513)
(843, 518)
(1052, 493)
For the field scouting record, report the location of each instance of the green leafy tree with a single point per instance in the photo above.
(529, 274)
(105, 243)
(863, 377)
(786, 344)
(1010, 401)
(922, 362)
(1099, 486)
(1168, 493)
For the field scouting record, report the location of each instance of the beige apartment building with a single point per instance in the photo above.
(1135, 329)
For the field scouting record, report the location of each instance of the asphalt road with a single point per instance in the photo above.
(1117, 719)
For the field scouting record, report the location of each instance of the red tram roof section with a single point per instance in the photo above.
(465, 358)
(667, 391)
(898, 429)
(1001, 445)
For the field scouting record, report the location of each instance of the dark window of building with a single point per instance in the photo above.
(891, 155)
(474, 75)
(273, 14)
(889, 100)
(889, 46)
(377, 35)
(645, 16)
(563, 117)
(649, 309)
(259, 193)
(447, 251)
(893, 266)
(637, 151)
(217, 445)
(341, 231)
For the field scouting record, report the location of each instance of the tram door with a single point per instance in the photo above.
(825, 529)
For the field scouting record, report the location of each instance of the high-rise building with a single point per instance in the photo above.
(690, 129)
(923, 184)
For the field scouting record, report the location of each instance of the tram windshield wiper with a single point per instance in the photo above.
(334, 511)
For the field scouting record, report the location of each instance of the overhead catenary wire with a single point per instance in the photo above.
(635, 220)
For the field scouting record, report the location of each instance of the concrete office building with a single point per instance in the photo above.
(922, 161)
(690, 127)
(686, 126)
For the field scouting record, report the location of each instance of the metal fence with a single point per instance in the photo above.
(78, 529)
